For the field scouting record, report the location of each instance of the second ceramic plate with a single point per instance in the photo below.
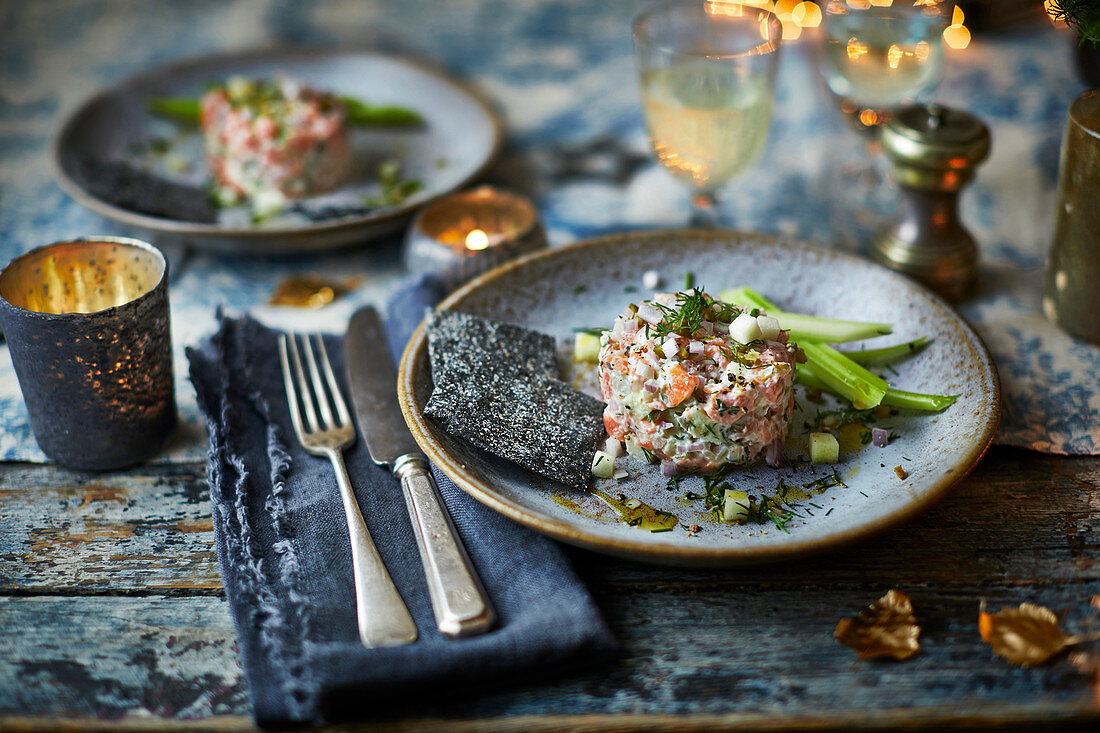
(460, 137)
(589, 283)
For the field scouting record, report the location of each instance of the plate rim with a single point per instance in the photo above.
(177, 227)
(678, 555)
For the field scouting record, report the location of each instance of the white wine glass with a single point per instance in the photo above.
(881, 54)
(708, 81)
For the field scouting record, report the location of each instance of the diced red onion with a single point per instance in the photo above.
(697, 446)
(649, 314)
(650, 386)
(670, 347)
(630, 326)
(879, 437)
(721, 328)
(668, 469)
(664, 425)
(696, 347)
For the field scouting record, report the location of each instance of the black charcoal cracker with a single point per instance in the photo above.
(129, 187)
(460, 344)
(540, 423)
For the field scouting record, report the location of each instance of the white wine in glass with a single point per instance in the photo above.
(880, 55)
(705, 124)
(708, 80)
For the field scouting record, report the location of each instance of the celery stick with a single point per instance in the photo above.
(745, 296)
(918, 401)
(844, 376)
(893, 397)
(805, 376)
(184, 110)
(829, 370)
(359, 113)
(887, 354)
(807, 328)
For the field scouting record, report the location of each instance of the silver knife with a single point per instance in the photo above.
(458, 598)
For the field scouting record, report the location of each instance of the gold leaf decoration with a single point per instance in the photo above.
(310, 291)
(886, 628)
(1028, 635)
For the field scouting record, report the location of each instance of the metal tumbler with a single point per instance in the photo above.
(1071, 298)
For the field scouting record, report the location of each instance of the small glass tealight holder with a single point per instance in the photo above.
(466, 234)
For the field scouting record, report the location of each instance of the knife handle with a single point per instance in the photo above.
(458, 599)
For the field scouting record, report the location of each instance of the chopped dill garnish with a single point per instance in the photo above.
(674, 481)
(687, 316)
(689, 280)
(825, 482)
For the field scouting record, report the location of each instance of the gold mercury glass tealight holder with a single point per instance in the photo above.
(465, 234)
(87, 325)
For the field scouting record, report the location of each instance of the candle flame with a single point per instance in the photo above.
(792, 14)
(894, 56)
(477, 240)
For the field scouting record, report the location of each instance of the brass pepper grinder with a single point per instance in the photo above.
(933, 152)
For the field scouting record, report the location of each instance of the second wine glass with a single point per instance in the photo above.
(708, 81)
(880, 54)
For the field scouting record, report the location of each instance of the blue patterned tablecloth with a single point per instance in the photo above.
(562, 74)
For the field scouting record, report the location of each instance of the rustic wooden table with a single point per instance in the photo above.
(112, 617)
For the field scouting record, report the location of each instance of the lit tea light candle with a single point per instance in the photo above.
(468, 233)
(477, 240)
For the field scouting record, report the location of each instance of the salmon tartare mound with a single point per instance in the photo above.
(697, 383)
(273, 140)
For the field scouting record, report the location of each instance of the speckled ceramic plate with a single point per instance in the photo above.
(589, 283)
(460, 138)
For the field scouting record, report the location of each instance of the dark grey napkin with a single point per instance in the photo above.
(283, 548)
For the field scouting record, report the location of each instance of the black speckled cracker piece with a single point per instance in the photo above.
(460, 344)
(540, 423)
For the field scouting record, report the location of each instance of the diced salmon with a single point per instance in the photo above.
(612, 425)
(680, 385)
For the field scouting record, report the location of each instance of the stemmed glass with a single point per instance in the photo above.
(880, 54)
(708, 80)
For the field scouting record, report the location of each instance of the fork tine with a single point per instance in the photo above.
(303, 386)
(318, 384)
(291, 391)
(334, 388)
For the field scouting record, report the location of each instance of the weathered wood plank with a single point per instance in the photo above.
(147, 529)
(1021, 517)
(739, 651)
(107, 657)
(1003, 719)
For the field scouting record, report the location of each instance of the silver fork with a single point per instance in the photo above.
(383, 617)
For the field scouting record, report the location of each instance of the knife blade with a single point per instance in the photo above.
(459, 601)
